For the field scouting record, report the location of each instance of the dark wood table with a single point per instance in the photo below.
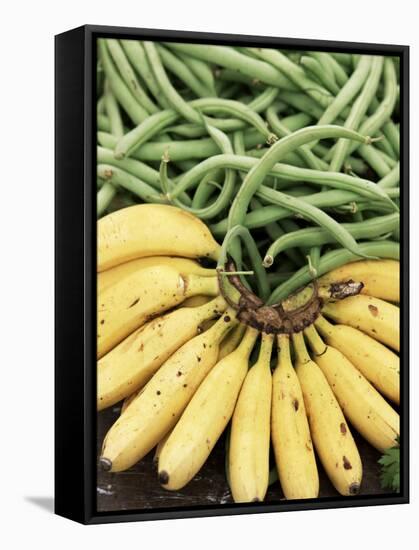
(138, 488)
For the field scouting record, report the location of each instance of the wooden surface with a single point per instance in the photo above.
(138, 487)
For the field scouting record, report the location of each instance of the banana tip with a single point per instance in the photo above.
(354, 488)
(163, 477)
(105, 464)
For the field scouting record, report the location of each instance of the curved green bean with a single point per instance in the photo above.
(104, 197)
(357, 112)
(313, 236)
(225, 56)
(118, 177)
(134, 110)
(128, 75)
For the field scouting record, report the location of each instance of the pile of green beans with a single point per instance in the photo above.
(291, 158)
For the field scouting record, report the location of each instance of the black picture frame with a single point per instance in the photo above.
(75, 274)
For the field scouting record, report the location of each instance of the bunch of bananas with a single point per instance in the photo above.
(171, 347)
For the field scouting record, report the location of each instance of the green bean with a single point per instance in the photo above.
(392, 179)
(296, 121)
(313, 260)
(118, 177)
(348, 92)
(267, 214)
(134, 110)
(338, 70)
(382, 111)
(103, 124)
(138, 59)
(104, 197)
(319, 72)
(312, 236)
(114, 116)
(128, 75)
(229, 75)
(176, 66)
(344, 59)
(228, 57)
(100, 105)
(333, 260)
(228, 124)
(377, 162)
(173, 97)
(155, 123)
(295, 74)
(179, 150)
(357, 112)
(227, 189)
(303, 103)
(292, 173)
(274, 230)
(281, 131)
(134, 167)
(205, 189)
(253, 252)
(289, 143)
(393, 135)
(319, 217)
(201, 70)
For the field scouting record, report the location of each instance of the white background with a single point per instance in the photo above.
(26, 292)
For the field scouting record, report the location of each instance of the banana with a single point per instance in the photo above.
(332, 438)
(231, 341)
(128, 400)
(376, 362)
(160, 404)
(159, 448)
(107, 278)
(368, 412)
(381, 278)
(130, 364)
(250, 431)
(152, 230)
(293, 448)
(128, 304)
(196, 301)
(205, 418)
(377, 318)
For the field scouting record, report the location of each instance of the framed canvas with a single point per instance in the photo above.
(232, 328)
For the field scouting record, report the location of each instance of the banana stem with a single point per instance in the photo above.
(246, 345)
(284, 349)
(266, 348)
(300, 348)
(316, 343)
(225, 323)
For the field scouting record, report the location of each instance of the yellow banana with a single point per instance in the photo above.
(159, 448)
(365, 408)
(127, 305)
(159, 405)
(231, 341)
(250, 431)
(332, 438)
(381, 278)
(377, 318)
(196, 301)
(128, 400)
(376, 362)
(294, 455)
(130, 364)
(152, 230)
(107, 278)
(205, 418)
